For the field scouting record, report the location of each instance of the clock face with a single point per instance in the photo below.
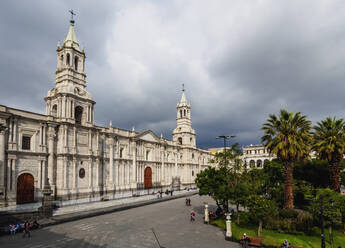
(82, 173)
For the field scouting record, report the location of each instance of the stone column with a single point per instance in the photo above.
(13, 169)
(40, 174)
(111, 162)
(163, 168)
(207, 218)
(228, 234)
(44, 173)
(134, 166)
(90, 172)
(2, 160)
(65, 174)
(97, 173)
(175, 169)
(64, 107)
(15, 133)
(51, 137)
(74, 173)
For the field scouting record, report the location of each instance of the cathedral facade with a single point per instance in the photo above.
(81, 161)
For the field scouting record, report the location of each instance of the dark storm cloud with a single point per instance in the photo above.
(239, 60)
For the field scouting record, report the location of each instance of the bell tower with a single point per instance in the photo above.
(184, 134)
(69, 101)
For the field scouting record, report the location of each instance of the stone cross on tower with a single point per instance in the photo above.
(72, 14)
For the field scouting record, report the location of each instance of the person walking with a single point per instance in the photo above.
(192, 216)
(27, 230)
(12, 229)
(245, 241)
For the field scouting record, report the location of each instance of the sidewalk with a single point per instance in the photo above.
(86, 210)
(117, 202)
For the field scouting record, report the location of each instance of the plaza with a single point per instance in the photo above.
(132, 228)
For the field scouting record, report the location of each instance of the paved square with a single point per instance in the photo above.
(131, 228)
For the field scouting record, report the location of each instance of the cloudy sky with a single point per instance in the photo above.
(239, 60)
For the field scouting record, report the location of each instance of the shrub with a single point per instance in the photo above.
(272, 223)
(288, 225)
(288, 214)
(244, 218)
(304, 222)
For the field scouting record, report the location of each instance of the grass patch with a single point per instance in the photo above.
(275, 239)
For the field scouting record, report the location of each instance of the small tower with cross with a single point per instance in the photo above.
(184, 134)
(69, 101)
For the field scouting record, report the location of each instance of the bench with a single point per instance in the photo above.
(256, 242)
(292, 246)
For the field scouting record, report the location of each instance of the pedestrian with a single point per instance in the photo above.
(171, 192)
(192, 216)
(286, 244)
(161, 194)
(12, 229)
(35, 224)
(186, 201)
(27, 230)
(245, 241)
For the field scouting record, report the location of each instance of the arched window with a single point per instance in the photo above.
(192, 155)
(184, 112)
(252, 163)
(181, 113)
(191, 139)
(147, 155)
(259, 163)
(78, 114)
(180, 141)
(121, 152)
(76, 63)
(54, 110)
(61, 60)
(68, 59)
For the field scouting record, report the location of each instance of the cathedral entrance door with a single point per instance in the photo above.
(25, 188)
(148, 178)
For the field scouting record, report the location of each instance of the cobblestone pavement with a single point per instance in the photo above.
(131, 228)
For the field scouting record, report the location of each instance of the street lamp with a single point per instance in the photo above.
(323, 245)
(228, 234)
(207, 218)
(225, 137)
(331, 233)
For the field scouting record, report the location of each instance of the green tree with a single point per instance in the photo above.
(316, 172)
(288, 136)
(273, 176)
(221, 183)
(260, 208)
(240, 193)
(208, 183)
(329, 143)
(332, 214)
(340, 203)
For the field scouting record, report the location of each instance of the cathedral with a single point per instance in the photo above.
(83, 162)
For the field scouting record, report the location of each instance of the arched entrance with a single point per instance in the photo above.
(148, 178)
(25, 188)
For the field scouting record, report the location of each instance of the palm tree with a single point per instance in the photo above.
(329, 144)
(288, 136)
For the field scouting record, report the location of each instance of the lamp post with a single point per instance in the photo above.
(228, 234)
(225, 137)
(331, 231)
(323, 245)
(207, 218)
